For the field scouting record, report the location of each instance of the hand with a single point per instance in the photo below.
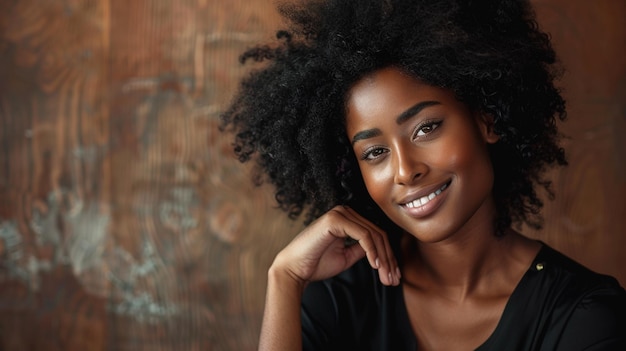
(320, 250)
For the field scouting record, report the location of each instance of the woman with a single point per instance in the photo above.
(414, 134)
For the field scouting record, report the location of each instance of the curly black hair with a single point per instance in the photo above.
(289, 115)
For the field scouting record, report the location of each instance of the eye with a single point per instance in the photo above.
(373, 153)
(426, 128)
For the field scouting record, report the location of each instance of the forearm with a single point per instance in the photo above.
(281, 330)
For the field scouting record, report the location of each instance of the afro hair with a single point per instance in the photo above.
(289, 115)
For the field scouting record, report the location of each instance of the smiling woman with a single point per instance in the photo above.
(419, 132)
(436, 150)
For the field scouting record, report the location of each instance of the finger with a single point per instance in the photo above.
(392, 274)
(386, 262)
(347, 226)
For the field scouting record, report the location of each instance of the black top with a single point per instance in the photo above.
(557, 305)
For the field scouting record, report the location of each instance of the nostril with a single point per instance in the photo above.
(408, 165)
(408, 177)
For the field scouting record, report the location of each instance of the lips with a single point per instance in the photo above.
(423, 200)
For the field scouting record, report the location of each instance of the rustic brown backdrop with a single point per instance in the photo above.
(125, 223)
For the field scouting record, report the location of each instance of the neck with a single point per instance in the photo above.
(462, 265)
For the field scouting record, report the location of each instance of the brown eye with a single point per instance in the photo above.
(373, 154)
(426, 128)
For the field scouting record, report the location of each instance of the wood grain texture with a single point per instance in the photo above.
(125, 221)
(587, 220)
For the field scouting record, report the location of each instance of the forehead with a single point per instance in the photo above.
(386, 94)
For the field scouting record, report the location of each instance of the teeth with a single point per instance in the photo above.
(425, 199)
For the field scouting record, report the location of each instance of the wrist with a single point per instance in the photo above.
(285, 279)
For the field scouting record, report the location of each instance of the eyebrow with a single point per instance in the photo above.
(415, 109)
(403, 117)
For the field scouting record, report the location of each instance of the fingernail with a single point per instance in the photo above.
(377, 263)
(390, 278)
(398, 273)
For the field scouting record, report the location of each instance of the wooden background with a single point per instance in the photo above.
(125, 223)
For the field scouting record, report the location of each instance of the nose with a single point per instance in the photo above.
(409, 165)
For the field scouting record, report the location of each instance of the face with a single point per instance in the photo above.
(423, 155)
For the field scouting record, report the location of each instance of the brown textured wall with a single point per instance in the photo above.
(125, 223)
(587, 220)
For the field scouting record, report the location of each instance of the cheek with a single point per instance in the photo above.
(376, 181)
(472, 163)
(464, 155)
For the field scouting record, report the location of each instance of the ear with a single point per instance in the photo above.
(485, 125)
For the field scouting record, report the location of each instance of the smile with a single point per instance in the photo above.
(426, 199)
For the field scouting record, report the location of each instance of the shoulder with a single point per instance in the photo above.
(588, 308)
(572, 280)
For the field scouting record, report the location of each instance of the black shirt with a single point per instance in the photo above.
(557, 305)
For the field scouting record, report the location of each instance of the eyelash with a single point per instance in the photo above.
(432, 124)
(365, 156)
